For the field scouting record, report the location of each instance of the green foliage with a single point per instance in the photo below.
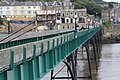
(110, 5)
(107, 25)
(92, 7)
(1, 21)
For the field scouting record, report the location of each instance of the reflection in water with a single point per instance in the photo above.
(108, 65)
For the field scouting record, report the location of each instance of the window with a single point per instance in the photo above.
(1, 12)
(34, 12)
(7, 12)
(58, 18)
(68, 27)
(34, 7)
(81, 20)
(75, 13)
(22, 12)
(8, 8)
(22, 7)
(82, 13)
(58, 14)
(71, 20)
(29, 7)
(29, 12)
(15, 12)
(67, 13)
(63, 20)
(63, 14)
(67, 20)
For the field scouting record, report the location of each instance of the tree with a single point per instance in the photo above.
(92, 7)
(110, 5)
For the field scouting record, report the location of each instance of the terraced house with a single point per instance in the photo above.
(19, 9)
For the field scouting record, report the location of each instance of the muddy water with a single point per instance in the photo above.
(108, 65)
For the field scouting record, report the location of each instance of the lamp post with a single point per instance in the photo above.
(8, 19)
(88, 20)
(50, 26)
(75, 16)
(94, 24)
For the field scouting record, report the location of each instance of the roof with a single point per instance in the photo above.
(116, 10)
(30, 3)
(4, 4)
(50, 3)
(17, 3)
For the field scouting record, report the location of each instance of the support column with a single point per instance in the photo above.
(88, 58)
(94, 51)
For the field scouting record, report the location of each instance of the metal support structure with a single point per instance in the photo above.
(75, 59)
(52, 74)
(94, 51)
(9, 30)
(88, 58)
(71, 66)
(40, 57)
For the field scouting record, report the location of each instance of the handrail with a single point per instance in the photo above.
(44, 35)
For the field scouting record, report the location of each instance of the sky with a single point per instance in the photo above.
(112, 0)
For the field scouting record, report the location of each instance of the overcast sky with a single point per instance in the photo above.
(112, 0)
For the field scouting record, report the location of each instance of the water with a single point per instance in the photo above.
(109, 66)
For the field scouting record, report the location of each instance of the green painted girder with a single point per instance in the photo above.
(28, 40)
(39, 65)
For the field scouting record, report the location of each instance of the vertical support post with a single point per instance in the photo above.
(17, 73)
(51, 56)
(61, 46)
(48, 56)
(43, 59)
(96, 42)
(3, 75)
(75, 58)
(73, 67)
(25, 66)
(88, 58)
(52, 74)
(94, 51)
(57, 50)
(54, 55)
(35, 64)
(11, 59)
(69, 69)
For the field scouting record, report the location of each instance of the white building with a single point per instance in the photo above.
(19, 9)
(29, 9)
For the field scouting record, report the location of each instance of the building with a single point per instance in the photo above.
(106, 15)
(103, 4)
(66, 19)
(44, 13)
(115, 15)
(47, 15)
(19, 9)
(117, 5)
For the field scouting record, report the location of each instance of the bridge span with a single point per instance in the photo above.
(34, 57)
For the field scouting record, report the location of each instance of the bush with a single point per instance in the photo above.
(107, 25)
